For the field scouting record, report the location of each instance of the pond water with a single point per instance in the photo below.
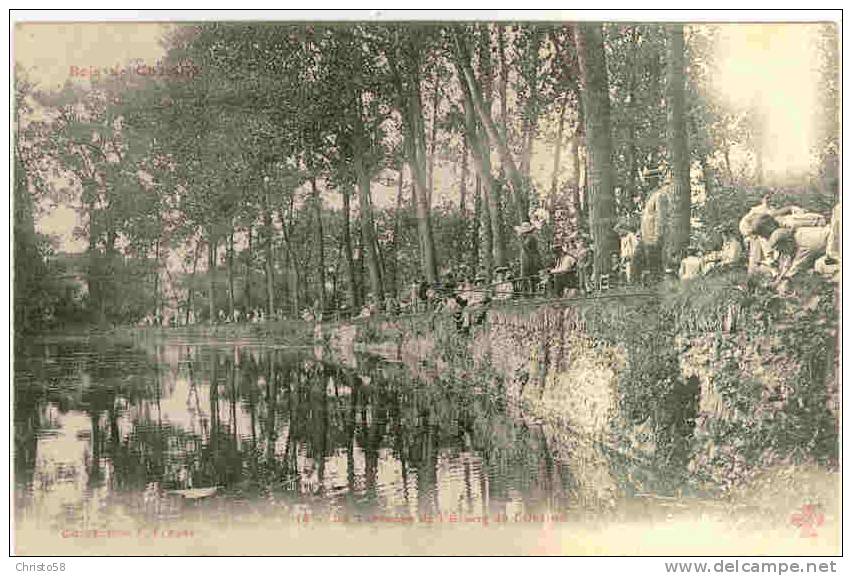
(161, 433)
(103, 424)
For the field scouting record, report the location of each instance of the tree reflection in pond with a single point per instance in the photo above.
(106, 430)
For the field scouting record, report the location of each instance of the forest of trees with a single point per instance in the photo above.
(283, 165)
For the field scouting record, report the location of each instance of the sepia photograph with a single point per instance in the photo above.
(425, 284)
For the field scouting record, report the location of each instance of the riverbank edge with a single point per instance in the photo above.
(738, 382)
(295, 333)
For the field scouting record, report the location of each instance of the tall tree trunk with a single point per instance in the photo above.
(465, 170)
(248, 282)
(395, 241)
(758, 165)
(530, 120)
(157, 275)
(677, 145)
(474, 228)
(632, 164)
(566, 52)
(93, 264)
(706, 174)
(361, 275)
(726, 154)
(317, 201)
(368, 232)
(351, 283)
(517, 185)
(291, 266)
(417, 161)
(557, 156)
(230, 249)
(630, 188)
(487, 252)
(211, 276)
(191, 296)
(504, 78)
(575, 160)
(481, 152)
(269, 264)
(595, 93)
(433, 135)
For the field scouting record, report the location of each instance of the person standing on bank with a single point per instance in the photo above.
(654, 226)
(530, 264)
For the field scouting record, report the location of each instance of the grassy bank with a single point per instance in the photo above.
(718, 377)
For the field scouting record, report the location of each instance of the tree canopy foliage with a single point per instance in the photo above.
(286, 165)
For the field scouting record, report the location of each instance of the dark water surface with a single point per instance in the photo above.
(165, 445)
(110, 432)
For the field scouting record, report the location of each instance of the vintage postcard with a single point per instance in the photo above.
(383, 284)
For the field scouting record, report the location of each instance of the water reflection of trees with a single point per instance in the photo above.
(283, 426)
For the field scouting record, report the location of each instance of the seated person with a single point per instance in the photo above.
(365, 313)
(504, 290)
(730, 254)
(615, 269)
(478, 293)
(419, 291)
(370, 308)
(456, 305)
(414, 295)
(433, 297)
(451, 303)
(466, 290)
(565, 273)
(691, 266)
(391, 305)
(732, 250)
(829, 265)
(543, 286)
(828, 268)
(474, 312)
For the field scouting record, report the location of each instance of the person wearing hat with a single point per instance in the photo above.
(418, 294)
(391, 304)
(654, 225)
(565, 273)
(628, 249)
(466, 290)
(691, 266)
(530, 264)
(474, 312)
(478, 292)
(729, 255)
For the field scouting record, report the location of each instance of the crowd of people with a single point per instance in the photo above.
(174, 318)
(785, 242)
(775, 243)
